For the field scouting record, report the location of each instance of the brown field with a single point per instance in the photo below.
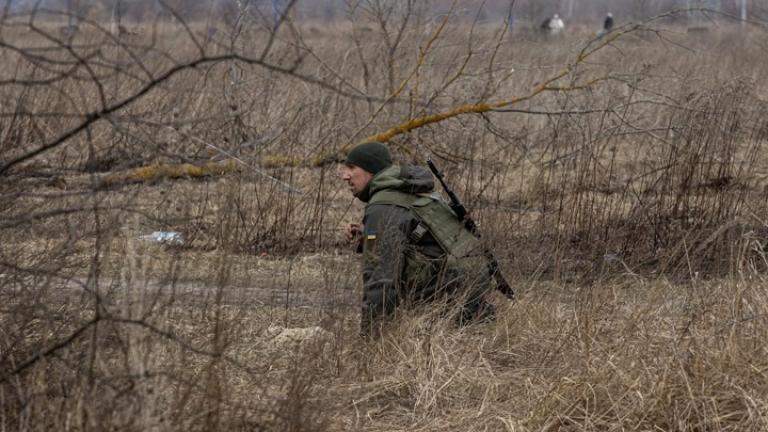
(627, 201)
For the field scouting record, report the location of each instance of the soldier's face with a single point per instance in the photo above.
(355, 177)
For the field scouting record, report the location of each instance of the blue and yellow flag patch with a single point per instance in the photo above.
(370, 239)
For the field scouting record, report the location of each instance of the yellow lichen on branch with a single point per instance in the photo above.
(477, 108)
(159, 171)
(480, 108)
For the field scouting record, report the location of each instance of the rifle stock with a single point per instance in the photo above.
(463, 215)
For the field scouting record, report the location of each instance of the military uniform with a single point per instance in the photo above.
(415, 250)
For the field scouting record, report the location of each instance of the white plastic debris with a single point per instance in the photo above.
(171, 237)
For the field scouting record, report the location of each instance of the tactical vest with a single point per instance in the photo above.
(462, 250)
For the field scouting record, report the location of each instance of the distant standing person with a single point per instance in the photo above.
(553, 25)
(607, 25)
(414, 249)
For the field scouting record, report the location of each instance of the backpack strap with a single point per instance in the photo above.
(410, 202)
(390, 197)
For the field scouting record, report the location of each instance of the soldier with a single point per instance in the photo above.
(414, 248)
(608, 23)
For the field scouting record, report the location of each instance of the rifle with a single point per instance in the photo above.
(463, 215)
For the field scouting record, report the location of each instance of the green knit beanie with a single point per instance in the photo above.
(371, 156)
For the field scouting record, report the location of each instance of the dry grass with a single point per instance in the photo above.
(630, 217)
(634, 355)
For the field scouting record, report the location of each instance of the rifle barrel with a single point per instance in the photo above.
(461, 212)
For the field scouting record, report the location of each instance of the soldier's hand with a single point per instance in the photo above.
(353, 231)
